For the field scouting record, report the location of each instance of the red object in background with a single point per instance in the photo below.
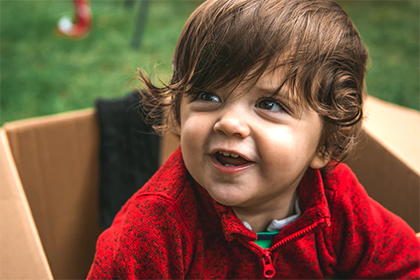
(82, 23)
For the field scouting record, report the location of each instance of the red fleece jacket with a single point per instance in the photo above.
(172, 228)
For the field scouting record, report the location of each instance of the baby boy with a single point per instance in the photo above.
(267, 99)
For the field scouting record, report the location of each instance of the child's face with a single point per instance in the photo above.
(275, 147)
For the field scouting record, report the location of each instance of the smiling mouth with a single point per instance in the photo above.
(230, 159)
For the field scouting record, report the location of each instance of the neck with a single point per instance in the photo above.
(259, 219)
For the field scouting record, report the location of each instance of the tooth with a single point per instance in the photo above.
(234, 155)
(226, 154)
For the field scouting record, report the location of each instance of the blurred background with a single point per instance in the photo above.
(44, 73)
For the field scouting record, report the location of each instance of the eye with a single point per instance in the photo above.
(270, 105)
(208, 96)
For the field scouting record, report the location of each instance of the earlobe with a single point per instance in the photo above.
(319, 161)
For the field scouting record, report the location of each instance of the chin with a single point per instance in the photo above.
(227, 198)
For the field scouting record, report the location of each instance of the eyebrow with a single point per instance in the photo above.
(278, 92)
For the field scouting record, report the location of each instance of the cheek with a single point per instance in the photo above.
(279, 141)
(189, 147)
(187, 134)
(193, 146)
(284, 150)
(193, 134)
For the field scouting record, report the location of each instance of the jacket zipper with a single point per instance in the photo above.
(269, 270)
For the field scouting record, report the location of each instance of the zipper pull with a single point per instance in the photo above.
(268, 265)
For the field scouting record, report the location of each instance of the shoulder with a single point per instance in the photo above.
(349, 200)
(343, 189)
(341, 179)
(345, 195)
(362, 231)
(163, 206)
(166, 201)
(149, 239)
(167, 196)
(156, 223)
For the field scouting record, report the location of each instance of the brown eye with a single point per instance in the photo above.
(208, 96)
(268, 104)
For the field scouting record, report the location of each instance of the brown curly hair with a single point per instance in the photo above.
(228, 42)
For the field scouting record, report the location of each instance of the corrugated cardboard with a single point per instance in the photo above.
(57, 161)
(387, 161)
(20, 246)
(52, 163)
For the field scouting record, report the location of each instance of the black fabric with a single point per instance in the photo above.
(129, 153)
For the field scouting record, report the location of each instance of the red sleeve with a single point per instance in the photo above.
(368, 240)
(144, 242)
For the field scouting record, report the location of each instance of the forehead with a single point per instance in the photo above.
(272, 80)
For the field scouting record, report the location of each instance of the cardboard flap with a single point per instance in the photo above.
(397, 129)
(57, 159)
(19, 240)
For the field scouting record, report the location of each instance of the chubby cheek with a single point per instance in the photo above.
(190, 130)
(283, 152)
(193, 139)
(193, 152)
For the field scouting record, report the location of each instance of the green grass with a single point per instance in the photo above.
(43, 74)
(390, 30)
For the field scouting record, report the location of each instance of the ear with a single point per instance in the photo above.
(319, 160)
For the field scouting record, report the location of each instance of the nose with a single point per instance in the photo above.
(232, 123)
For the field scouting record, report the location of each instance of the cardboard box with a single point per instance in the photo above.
(55, 160)
(387, 161)
(49, 185)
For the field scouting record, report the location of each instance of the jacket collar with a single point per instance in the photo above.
(231, 225)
